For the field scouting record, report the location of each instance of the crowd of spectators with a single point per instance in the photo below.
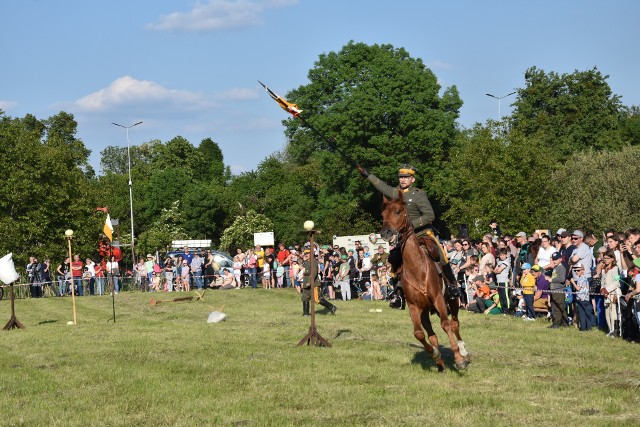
(570, 278)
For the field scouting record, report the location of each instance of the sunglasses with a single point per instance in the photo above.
(574, 238)
(465, 244)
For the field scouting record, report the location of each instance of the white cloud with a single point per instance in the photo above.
(7, 105)
(218, 14)
(127, 91)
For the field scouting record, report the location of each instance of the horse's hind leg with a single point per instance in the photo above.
(447, 326)
(418, 332)
(433, 338)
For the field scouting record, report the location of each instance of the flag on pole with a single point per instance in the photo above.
(108, 228)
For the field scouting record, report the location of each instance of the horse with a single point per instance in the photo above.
(423, 285)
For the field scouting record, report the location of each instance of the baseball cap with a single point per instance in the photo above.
(478, 277)
(577, 233)
(536, 268)
(521, 234)
(556, 256)
(306, 251)
(526, 266)
(343, 256)
(560, 231)
(578, 266)
(565, 233)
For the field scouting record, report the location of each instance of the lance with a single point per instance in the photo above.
(295, 111)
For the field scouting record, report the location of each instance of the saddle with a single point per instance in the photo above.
(431, 246)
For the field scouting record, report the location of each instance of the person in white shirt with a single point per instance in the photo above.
(543, 258)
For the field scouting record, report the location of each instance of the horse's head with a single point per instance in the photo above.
(395, 219)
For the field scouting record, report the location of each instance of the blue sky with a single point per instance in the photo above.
(189, 68)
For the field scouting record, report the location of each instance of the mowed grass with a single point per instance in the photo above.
(164, 365)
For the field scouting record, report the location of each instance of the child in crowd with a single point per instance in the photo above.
(156, 281)
(280, 274)
(237, 269)
(583, 304)
(528, 283)
(266, 276)
(375, 286)
(184, 275)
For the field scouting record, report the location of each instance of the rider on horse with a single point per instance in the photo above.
(421, 215)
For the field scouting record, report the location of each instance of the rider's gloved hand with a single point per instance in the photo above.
(363, 171)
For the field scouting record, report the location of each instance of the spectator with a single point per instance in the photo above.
(113, 274)
(280, 274)
(187, 255)
(541, 296)
(495, 230)
(284, 260)
(228, 281)
(583, 254)
(611, 291)
(184, 276)
(92, 275)
(196, 269)
(528, 283)
(343, 276)
(140, 274)
(252, 267)
(63, 275)
(557, 286)
(487, 256)
(543, 257)
(583, 303)
(502, 272)
(76, 274)
(99, 276)
(169, 266)
(266, 275)
(149, 267)
(237, 270)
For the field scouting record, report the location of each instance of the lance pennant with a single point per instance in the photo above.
(287, 106)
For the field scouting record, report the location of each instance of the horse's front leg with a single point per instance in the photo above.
(418, 332)
(441, 307)
(433, 338)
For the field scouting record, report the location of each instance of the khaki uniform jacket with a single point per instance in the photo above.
(418, 204)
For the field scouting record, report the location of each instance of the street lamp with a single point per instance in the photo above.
(133, 256)
(499, 98)
(69, 236)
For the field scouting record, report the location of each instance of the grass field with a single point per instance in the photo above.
(165, 365)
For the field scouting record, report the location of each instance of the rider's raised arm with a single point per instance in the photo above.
(389, 191)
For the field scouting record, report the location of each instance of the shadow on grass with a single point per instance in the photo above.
(421, 357)
(44, 322)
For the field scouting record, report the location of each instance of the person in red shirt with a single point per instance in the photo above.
(100, 277)
(284, 259)
(76, 274)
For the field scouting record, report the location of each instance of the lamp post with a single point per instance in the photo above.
(69, 236)
(499, 98)
(133, 256)
(313, 337)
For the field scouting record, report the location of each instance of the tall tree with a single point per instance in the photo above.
(569, 112)
(384, 108)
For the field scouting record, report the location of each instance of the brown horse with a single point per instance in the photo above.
(422, 285)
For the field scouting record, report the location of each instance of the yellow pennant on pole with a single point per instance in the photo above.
(108, 228)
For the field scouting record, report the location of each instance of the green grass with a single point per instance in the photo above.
(165, 365)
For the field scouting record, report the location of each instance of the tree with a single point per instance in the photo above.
(596, 190)
(383, 108)
(45, 188)
(569, 112)
(211, 162)
(167, 227)
(496, 177)
(240, 233)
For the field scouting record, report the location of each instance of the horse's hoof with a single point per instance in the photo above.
(440, 369)
(461, 366)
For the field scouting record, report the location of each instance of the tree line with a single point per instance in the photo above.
(566, 156)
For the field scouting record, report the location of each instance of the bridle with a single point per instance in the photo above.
(402, 233)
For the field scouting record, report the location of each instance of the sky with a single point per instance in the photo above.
(190, 68)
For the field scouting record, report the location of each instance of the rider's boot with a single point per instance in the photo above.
(397, 301)
(453, 290)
